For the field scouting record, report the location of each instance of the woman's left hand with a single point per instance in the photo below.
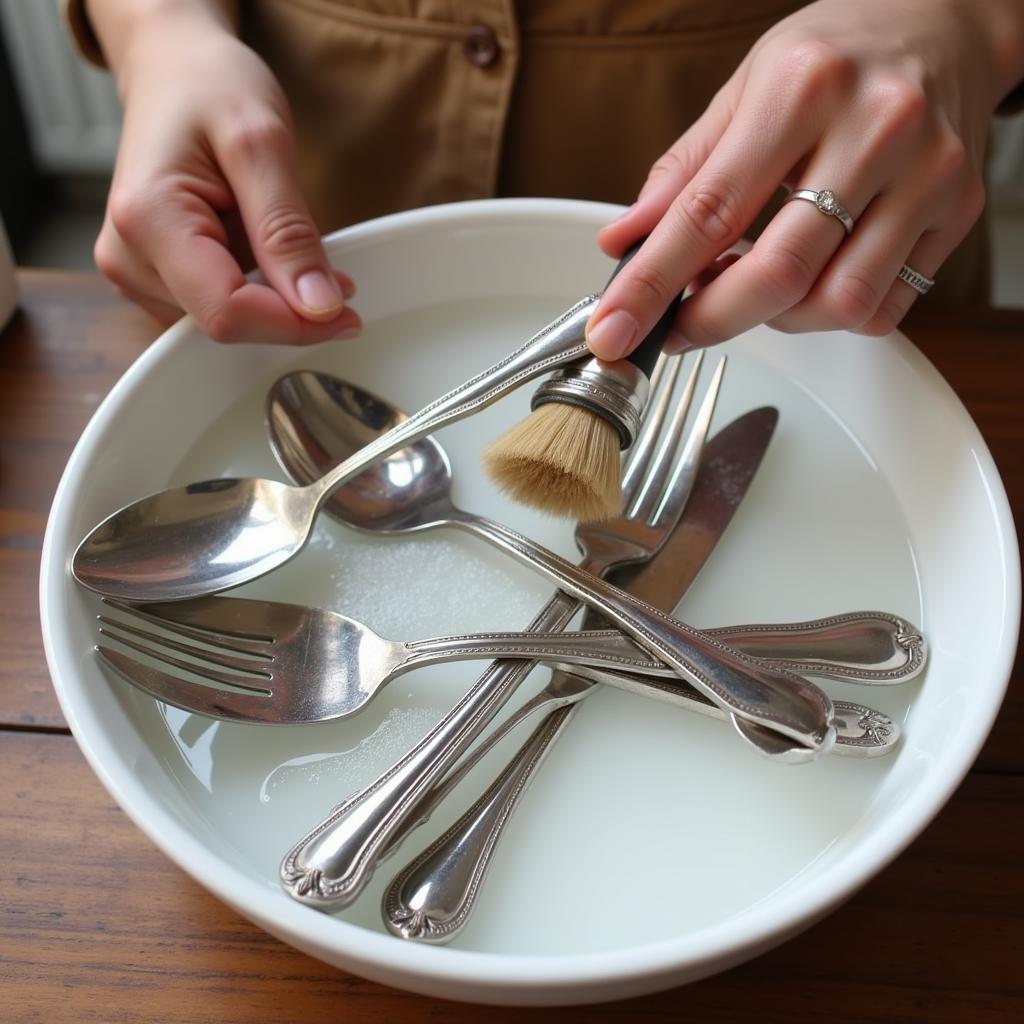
(886, 103)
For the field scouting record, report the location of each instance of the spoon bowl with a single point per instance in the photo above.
(316, 420)
(221, 533)
(187, 540)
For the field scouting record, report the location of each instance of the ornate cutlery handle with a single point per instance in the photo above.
(432, 898)
(560, 342)
(331, 865)
(860, 731)
(600, 648)
(753, 690)
(856, 647)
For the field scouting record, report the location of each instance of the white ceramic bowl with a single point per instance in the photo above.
(654, 849)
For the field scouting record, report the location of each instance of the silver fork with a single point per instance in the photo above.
(331, 865)
(280, 664)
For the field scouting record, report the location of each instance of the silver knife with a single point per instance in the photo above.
(432, 898)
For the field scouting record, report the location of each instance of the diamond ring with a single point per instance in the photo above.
(917, 281)
(826, 201)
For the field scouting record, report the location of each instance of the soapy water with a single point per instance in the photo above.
(392, 738)
(630, 779)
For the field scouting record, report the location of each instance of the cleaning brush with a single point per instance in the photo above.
(564, 457)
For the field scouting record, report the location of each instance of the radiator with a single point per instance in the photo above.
(72, 109)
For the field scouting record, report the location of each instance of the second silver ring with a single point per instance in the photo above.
(828, 202)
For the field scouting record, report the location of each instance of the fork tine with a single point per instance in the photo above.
(677, 490)
(247, 683)
(663, 382)
(660, 365)
(187, 695)
(247, 665)
(655, 474)
(205, 621)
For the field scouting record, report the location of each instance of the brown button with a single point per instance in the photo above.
(481, 46)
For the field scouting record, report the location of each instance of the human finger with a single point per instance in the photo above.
(773, 129)
(181, 235)
(255, 312)
(925, 258)
(861, 283)
(257, 157)
(676, 342)
(241, 249)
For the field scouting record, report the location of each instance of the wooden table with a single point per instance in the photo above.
(97, 925)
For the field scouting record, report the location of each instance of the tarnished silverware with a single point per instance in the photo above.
(432, 898)
(192, 541)
(332, 864)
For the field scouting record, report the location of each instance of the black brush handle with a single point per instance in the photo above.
(645, 355)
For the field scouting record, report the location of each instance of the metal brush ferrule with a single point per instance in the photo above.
(617, 392)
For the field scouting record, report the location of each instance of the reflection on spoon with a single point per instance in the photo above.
(205, 537)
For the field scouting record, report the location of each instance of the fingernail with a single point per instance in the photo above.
(612, 335)
(348, 333)
(319, 293)
(676, 344)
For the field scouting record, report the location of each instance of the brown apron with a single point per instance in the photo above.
(406, 103)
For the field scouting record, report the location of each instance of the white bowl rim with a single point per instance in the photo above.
(428, 968)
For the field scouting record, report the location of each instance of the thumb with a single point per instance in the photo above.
(284, 239)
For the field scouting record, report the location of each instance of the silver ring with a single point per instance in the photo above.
(828, 202)
(918, 282)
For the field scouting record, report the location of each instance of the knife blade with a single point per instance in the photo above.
(727, 468)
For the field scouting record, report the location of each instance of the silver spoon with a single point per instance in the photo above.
(316, 420)
(195, 540)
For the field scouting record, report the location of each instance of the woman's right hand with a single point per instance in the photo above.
(205, 187)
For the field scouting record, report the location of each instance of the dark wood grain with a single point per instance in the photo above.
(96, 925)
(67, 346)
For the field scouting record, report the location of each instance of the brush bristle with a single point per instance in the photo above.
(561, 459)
